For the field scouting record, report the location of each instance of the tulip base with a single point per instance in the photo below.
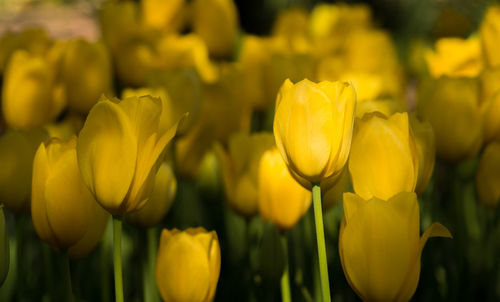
(117, 258)
(320, 238)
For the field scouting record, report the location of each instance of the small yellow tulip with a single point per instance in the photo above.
(380, 246)
(161, 14)
(426, 151)
(188, 265)
(64, 212)
(490, 35)
(292, 23)
(488, 175)
(120, 149)
(65, 129)
(490, 103)
(17, 150)
(240, 169)
(4, 248)
(282, 199)
(383, 160)
(160, 201)
(385, 106)
(313, 127)
(118, 21)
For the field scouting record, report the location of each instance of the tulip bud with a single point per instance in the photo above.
(383, 160)
(120, 149)
(313, 127)
(64, 212)
(86, 72)
(490, 35)
(161, 14)
(380, 246)
(426, 151)
(4, 248)
(488, 175)
(240, 169)
(161, 199)
(31, 94)
(17, 150)
(281, 199)
(188, 265)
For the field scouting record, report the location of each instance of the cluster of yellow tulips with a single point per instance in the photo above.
(290, 157)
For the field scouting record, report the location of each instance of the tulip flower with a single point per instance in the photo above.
(383, 160)
(490, 35)
(380, 246)
(4, 248)
(120, 149)
(65, 129)
(313, 127)
(384, 106)
(161, 199)
(281, 198)
(188, 265)
(426, 151)
(159, 14)
(490, 103)
(64, 212)
(240, 166)
(488, 175)
(17, 150)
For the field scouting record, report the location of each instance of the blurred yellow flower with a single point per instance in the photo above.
(17, 150)
(455, 57)
(160, 14)
(488, 175)
(385, 106)
(240, 166)
(313, 127)
(31, 94)
(161, 199)
(425, 147)
(65, 129)
(383, 160)
(188, 265)
(4, 248)
(490, 103)
(380, 246)
(63, 210)
(490, 35)
(282, 199)
(120, 149)
(292, 25)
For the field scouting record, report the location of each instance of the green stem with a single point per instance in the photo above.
(67, 271)
(285, 279)
(151, 293)
(320, 237)
(117, 258)
(105, 245)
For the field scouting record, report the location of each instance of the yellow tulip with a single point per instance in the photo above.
(63, 210)
(490, 103)
(31, 94)
(385, 106)
(65, 129)
(313, 127)
(161, 14)
(292, 24)
(17, 150)
(240, 169)
(425, 147)
(490, 35)
(216, 22)
(4, 248)
(488, 175)
(161, 199)
(451, 106)
(281, 198)
(120, 149)
(380, 246)
(118, 20)
(383, 160)
(455, 57)
(86, 72)
(188, 265)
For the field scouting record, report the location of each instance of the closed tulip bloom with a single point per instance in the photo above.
(490, 35)
(63, 210)
(385, 106)
(488, 175)
(161, 199)
(4, 248)
(120, 149)
(86, 73)
(282, 199)
(159, 14)
(188, 265)
(380, 246)
(426, 151)
(31, 95)
(240, 166)
(313, 127)
(17, 150)
(383, 159)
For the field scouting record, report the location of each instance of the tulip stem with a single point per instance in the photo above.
(117, 258)
(67, 271)
(320, 238)
(285, 278)
(151, 292)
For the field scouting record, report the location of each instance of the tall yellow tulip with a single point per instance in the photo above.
(380, 246)
(383, 159)
(120, 149)
(313, 126)
(64, 212)
(188, 265)
(488, 175)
